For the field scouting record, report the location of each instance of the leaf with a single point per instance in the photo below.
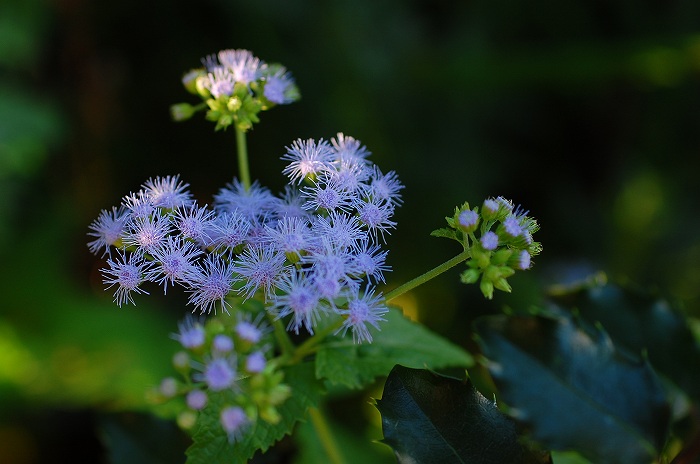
(445, 232)
(428, 418)
(400, 341)
(211, 445)
(574, 389)
(642, 322)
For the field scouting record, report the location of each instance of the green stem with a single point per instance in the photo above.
(242, 149)
(283, 339)
(325, 436)
(309, 344)
(423, 278)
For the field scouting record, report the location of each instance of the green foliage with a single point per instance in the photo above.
(400, 341)
(574, 389)
(428, 418)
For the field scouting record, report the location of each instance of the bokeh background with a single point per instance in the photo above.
(585, 112)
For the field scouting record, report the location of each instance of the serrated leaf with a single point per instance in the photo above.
(400, 341)
(574, 389)
(211, 445)
(642, 322)
(445, 232)
(428, 418)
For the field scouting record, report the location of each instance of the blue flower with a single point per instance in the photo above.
(297, 296)
(327, 194)
(307, 159)
(107, 230)
(291, 235)
(259, 267)
(194, 222)
(369, 261)
(167, 192)
(196, 399)
(234, 421)
(375, 215)
(364, 310)
(243, 66)
(489, 241)
(211, 284)
(278, 86)
(219, 374)
(348, 149)
(127, 273)
(254, 203)
(385, 187)
(229, 231)
(191, 335)
(173, 262)
(340, 230)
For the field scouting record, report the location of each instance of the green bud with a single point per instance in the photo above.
(234, 104)
(502, 284)
(486, 288)
(189, 80)
(506, 271)
(181, 111)
(470, 276)
(481, 257)
(181, 362)
(270, 415)
(200, 84)
(501, 256)
(186, 419)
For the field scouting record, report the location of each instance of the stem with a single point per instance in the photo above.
(242, 149)
(324, 434)
(309, 345)
(283, 339)
(423, 278)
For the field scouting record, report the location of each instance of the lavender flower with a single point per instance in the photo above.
(340, 230)
(191, 335)
(147, 234)
(196, 399)
(363, 311)
(385, 187)
(229, 231)
(255, 362)
(173, 262)
(369, 261)
(327, 194)
(279, 86)
(219, 374)
(222, 343)
(307, 159)
(259, 267)
(211, 285)
(349, 149)
(375, 215)
(243, 66)
(299, 298)
(234, 422)
(107, 230)
(291, 236)
(167, 192)
(127, 273)
(254, 203)
(489, 241)
(194, 223)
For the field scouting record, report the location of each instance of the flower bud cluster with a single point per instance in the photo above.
(499, 240)
(235, 86)
(224, 364)
(314, 252)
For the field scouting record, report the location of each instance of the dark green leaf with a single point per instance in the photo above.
(211, 445)
(642, 322)
(400, 341)
(445, 232)
(428, 418)
(574, 389)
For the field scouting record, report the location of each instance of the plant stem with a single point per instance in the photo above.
(242, 149)
(423, 278)
(309, 345)
(325, 436)
(283, 339)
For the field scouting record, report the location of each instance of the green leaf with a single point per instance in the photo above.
(445, 232)
(211, 445)
(428, 418)
(640, 322)
(400, 341)
(574, 389)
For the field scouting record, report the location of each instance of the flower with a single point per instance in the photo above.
(211, 285)
(173, 262)
(307, 159)
(196, 399)
(254, 203)
(107, 230)
(191, 334)
(127, 273)
(375, 214)
(385, 187)
(259, 267)
(279, 86)
(147, 233)
(234, 422)
(369, 261)
(363, 310)
(219, 374)
(194, 222)
(489, 241)
(241, 64)
(299, 298)
(167, 192)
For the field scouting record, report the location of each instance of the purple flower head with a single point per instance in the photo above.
(299, 298)
(191, 335)
(291, 204)
(167, 192)
(259, 267)
(234, 421)
(342, 231)
(489, 241)
(385, 187)
(291, 235)
(254, 203)
(127, 274)
(196, 399)
(255, 362)
(222, 343)
(228, 231)
(375, 215)
(139, 205)
(349, 175)
(278, 85)
(512, 227)
(219, 374)
(363, 311)
(523, 260)
(194, 223)
(369, 261)
(349, 149)
(219, 82)
(327, 194)
(243, 66)
(249, 331)
(107, 230)
(467, 219)
(490, 207)
(147, 234)
(211, 285)
(307, 159)
(331, 260)
(173, 262)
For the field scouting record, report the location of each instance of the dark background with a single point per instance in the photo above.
(585, 112)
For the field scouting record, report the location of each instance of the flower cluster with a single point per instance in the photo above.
(228, 358)
(314, 251)
(235, 86)
(504, 243)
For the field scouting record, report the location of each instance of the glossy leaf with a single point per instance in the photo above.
(641, 322)
(574, 389)
(211, 445)
(428, 418)
(400, 341)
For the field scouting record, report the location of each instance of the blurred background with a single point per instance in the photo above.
(585, 112)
